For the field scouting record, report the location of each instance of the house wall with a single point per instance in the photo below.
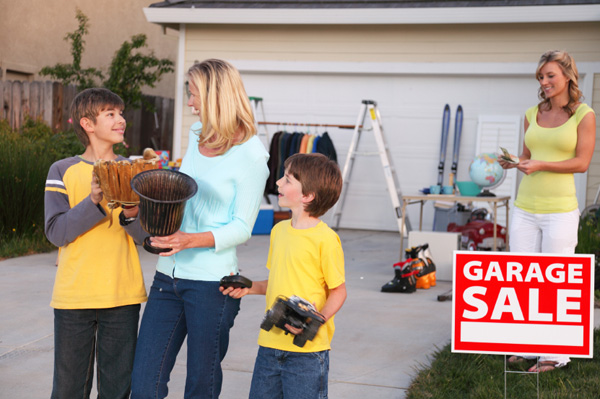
(32, 36)
(394, 43)
(484, 43)
(319, 74)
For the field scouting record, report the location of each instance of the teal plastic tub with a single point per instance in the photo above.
(468, 188)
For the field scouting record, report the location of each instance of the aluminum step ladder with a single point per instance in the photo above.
(370, 107)
(257, 105)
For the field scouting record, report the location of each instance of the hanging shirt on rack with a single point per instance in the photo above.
(284, 147)
(309, 144)
(325, 147)
(273, 163)
(316, 140)
(303, 144)
(294, 144)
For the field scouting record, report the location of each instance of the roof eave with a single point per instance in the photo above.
(380, 16)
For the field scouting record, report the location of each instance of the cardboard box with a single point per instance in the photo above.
(264, 221)
(442, 247)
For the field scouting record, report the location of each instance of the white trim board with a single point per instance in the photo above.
(418, 68)
(179, 95)
(410, 68)
(374, 16)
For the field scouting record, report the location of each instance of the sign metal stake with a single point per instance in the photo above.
(507, 371)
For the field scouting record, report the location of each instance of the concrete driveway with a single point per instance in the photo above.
(380, 340)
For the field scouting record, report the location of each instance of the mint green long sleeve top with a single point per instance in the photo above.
(230, 190)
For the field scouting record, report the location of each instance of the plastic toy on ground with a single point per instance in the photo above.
(417, 271)
(478, 233)
(405, 278)
(296, 312)
(423, 263)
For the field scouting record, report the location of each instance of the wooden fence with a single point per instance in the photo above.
(50, 101)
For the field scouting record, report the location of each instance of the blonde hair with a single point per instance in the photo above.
(569, 69)
(225, 107)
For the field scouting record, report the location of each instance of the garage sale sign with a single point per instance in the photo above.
(526, 304)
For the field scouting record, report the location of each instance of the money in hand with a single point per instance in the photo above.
(507, 157)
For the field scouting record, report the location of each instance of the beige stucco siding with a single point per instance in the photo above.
(32, 36)
(402, 43)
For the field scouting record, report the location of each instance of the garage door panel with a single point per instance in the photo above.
(411, 109)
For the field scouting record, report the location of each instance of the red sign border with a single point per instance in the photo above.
(517, 349)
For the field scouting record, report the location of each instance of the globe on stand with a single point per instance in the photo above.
(486, 172)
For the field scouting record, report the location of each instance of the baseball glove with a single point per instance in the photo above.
(115, 177)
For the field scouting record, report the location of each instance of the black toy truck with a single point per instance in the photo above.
(296, 312)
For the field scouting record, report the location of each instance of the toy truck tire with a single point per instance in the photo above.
(300, 340)
(310, 331)
(273, 316)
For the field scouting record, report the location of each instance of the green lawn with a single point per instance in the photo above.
(459, 375)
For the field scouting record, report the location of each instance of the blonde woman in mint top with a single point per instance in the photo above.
(560, 133)
(229, 163)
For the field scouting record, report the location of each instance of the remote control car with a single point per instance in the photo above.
(236, 281)
(296, 312)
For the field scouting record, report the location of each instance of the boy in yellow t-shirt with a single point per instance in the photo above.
(99, 283)
(306, 260)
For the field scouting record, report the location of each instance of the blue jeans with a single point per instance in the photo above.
(82, 336)
(176, 308)
(290, 375)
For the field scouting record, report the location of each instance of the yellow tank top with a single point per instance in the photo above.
(550, 192)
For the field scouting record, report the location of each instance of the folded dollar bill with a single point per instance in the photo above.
(507, 156)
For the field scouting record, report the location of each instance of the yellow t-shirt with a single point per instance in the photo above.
(306, 263)
(543, 191)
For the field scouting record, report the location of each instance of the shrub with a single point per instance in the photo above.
(588, 240)
(26, 157)
(130, 70)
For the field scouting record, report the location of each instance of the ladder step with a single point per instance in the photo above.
(392, 185)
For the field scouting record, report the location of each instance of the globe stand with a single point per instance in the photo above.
(486, 193)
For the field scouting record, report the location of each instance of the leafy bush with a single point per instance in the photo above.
(26, 157)
(588, 240)
(129, 70)
(73, 73)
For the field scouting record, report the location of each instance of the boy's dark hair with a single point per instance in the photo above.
(88, 104)
(318, 175)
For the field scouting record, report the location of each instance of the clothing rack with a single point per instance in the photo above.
(307, 124)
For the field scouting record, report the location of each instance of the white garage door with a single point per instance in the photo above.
(411, 108)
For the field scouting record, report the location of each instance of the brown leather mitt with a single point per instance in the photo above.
(115, 178)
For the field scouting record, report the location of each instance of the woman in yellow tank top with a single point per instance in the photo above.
(560, 134)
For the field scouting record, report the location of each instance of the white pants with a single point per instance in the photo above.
(545, 233)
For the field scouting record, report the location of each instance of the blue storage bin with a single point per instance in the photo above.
(264, 221)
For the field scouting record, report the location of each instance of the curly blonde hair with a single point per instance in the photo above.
(225, 108)
(569, 69)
